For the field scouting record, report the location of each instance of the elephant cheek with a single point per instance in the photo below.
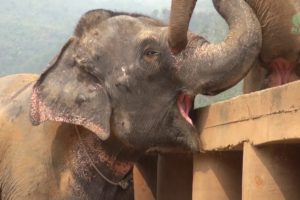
(121, 125)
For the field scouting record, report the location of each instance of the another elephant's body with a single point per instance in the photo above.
(279, 61)
(42, 162)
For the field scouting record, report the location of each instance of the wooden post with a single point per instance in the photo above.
(271, 172)
(145, 178)
(141, 188)
(217, 176)
(175, 174)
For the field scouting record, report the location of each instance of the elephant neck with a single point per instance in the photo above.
(109, 160)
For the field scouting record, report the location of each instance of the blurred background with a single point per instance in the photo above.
(33, 31)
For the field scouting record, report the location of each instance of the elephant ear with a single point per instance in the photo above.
(68, 92)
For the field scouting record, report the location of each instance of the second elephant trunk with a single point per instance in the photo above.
(280, 22)
(211, 68)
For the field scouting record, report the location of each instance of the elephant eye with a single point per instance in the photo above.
(150, 55)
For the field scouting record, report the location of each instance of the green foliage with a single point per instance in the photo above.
(296, 24)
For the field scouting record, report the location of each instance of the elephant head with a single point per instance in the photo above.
(280, 53)
(132, 77)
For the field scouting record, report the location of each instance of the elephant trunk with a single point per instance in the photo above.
(181, 12)
(211, 68)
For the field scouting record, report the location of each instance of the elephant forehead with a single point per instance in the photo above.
(123, 31)
(156, 33)
(125, 23)
(133, 26)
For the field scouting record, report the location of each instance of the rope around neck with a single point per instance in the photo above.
(122, 183)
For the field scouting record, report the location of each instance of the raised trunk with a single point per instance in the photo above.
(211, 68)
(181, 12)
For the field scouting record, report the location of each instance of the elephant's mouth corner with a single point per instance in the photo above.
(185, 104)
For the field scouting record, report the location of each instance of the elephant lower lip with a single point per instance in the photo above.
(184, 104)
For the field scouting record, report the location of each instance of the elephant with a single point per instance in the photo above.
(279, 60)
(122, 85)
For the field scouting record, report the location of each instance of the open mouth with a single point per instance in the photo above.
(185, 106)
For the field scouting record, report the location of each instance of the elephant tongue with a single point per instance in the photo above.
(184, 104)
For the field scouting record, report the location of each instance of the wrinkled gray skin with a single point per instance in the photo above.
(279, 61)
(121, 86)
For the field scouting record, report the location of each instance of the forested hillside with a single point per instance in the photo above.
(32, 31)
